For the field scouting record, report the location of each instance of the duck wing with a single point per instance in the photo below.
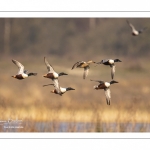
(79, 63)
(101, 82)
(86, 71)
(132, 27)
(48, 85)
(57, 86)
(19, 65)
(49, 67)
(108, 95)
(113, 67)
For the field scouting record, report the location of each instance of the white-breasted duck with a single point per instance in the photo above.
(134, 31)
(63, 90)
(111, 63)
(53, 75)
(22, 74)
(85, 65)
(106, 87)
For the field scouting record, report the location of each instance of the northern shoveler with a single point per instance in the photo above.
(134, 31)
(85, 65)
(105, 86)
(63, 90)
(53, 75)
(22, 74)
(111, 63)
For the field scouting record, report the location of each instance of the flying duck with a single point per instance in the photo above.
(53, 75)
(63, 90)
(134, 31)
(22, 74)
(85, 65)
(105, 86)
(111, 63)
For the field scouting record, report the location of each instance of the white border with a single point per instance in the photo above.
(79, 140)
(74, 5)
(76, 135)
(74, 14)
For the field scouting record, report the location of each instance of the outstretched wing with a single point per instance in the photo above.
(19, 65)
(112, 71)
(48, 85)
(77, 64)
(49, 67)
(132, 27)
(108, 95)
(86, 71)
(101, 82)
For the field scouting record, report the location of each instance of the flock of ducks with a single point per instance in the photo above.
(53, 75)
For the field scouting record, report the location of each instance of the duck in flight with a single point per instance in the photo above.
(22, 74)
(62, 90)
(53, 75)
(85, 65)
(134, 31)
(111, 63)
(106, 87)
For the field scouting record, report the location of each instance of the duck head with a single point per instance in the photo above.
(117, 60)
(69, 88)
(113, 81)
(62, 73)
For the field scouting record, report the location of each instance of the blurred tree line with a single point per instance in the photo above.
(71, 37)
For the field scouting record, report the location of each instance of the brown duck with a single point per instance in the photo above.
(85, 65)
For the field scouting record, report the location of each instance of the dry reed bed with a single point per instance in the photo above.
(107, 115)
